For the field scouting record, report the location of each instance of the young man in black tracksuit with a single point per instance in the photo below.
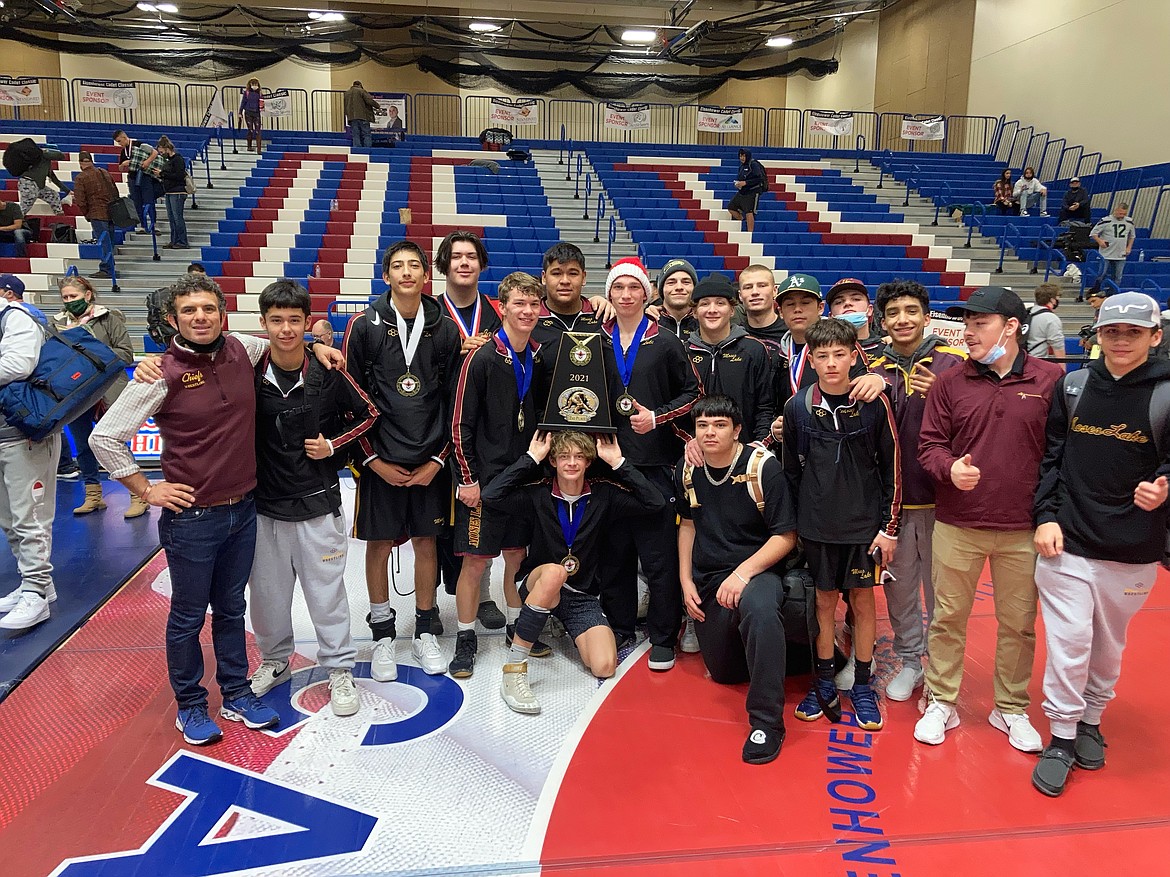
(1101, 518)
(498, 399)
(563, 308)
(652, 387)
(404, 354)
(572, 519)
(841, 462)
(305, 415)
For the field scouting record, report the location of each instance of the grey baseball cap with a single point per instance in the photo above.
(1131, 309)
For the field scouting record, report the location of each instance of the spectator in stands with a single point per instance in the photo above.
(751, 181)
(848, 300)
(675, 285)
(108, 325)
(360, 109)
(1115, 235)
(1005, 199)
(29, 498)
(323, 332)
(34, 183)
(1088, 333)
(1076, 203)
(91, 196)
(134, 157)
(251, 102)
(12, 290)
(13, 229)
(982, 440)
(1029, 190)
(196, 268)
(173, 176)
(1045, 330)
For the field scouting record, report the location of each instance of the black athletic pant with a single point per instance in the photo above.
(747, 644)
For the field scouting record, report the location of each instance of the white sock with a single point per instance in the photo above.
(466, 625)
(511, 614)
(380, 612)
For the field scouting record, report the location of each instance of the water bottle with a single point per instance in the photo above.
(333, 206)
(1141, 255)
(317, 269)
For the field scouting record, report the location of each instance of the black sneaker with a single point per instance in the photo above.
(463, 664)
(1051, 772)
(1090, 747)
(490, 616)
(539, 649)
(661, 658)
(69, 472)
(762, 745)
(623, 640)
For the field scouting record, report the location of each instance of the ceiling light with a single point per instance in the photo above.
(635, 35)
(314, 15)
(148, 7)
(780, 42)
(483, 27)
(167, 7)
(332, 16)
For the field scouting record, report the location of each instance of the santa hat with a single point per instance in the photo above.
(631, 266)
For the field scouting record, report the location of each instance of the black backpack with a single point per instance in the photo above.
(160, 331)
(22, 156)
(64, 234)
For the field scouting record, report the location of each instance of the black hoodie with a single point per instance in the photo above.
(752, 173)
(739, 366)
(412, 429)
(1089, 472)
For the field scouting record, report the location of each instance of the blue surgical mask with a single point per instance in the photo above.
(856, 319)
(996, 353)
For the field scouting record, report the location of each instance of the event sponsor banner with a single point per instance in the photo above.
(391, 112)
(20, 90)
(720, 120)
(825, 122)
(627, 117)
(934, 128)
(277, 104)
(949, 329)
(506, 111)
(111, 93)
(215, 116)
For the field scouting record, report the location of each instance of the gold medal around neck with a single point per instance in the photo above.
(408, 385)
(625, 405)
(571, 563)
(520, 420)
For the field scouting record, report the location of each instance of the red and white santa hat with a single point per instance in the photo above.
(631, 266)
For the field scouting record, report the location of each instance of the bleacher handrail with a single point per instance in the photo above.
(1154, 229)
(588, 194)
(912, 181)
(600, 216)
(612, 238)
(1047, 242)
(859, 148)
(945, 197)
(580, 167)
(1009, 229)
(564, 144)
(1150, 283)
(978, 216)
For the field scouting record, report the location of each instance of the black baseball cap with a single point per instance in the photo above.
(717, 286)
(991, 300)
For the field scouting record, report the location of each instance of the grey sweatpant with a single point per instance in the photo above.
(912, 569)
(1087, 606)
(314, 552)
(28, 502)
(29, 193)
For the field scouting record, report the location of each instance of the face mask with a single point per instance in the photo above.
(855, 319)
(77, 307)
(996, 353)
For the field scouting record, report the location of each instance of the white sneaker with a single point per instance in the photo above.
(515, 691)
(269, 675)
(343, 693)
(936, 721)
(1044, 213)
(689, 642)
(428, 654)
(844, 679)
(10, 600)
(32, 609)
(383, 667)
(901, 687)
(1019, 729)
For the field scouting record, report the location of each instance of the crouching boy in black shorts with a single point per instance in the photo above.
(571, 522)
(841, 461)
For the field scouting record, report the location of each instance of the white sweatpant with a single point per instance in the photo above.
(1087, 606)
(314, 552)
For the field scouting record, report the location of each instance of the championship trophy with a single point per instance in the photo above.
(579, 394)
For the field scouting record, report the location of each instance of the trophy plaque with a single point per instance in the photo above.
(579, 394)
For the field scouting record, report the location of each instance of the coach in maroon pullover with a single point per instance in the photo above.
(981, 442)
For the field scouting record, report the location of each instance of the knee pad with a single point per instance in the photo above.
(530, 624)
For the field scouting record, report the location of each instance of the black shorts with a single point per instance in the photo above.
(577, 611)
(383, 512)
(744, 202)
(486, 535)
(836, 567)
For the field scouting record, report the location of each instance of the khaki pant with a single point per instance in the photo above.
(959, 555)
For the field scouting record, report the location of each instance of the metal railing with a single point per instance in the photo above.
(577, 118)
(978, 215)
(1034, 154)
(612, 238)
(1008, 230)
(859, 150)
(600, 216)
(1159, 223)
(784, 127)
(754, 133)
(56, 102)
(663, 127)
(912, 182)
(436, 115)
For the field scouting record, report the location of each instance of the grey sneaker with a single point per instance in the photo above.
(343, 693)
(269, 675)
(515, 691)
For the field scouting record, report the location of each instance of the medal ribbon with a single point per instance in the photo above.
(570, 525)
(625, 366)
(465, 330)
(522, 367)
(409, 345)
(796, 367)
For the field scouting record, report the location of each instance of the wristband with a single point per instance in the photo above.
(735, 573)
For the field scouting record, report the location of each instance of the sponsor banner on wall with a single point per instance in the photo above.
(720, 120)
(275, 103)
(949, 329)
(933, 128)
(506, 111)
(391, 112)
(826, 122)
(627, 117)
(21, 91)
(111, 93)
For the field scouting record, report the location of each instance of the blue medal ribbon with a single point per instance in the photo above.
(521, 366)
(569, 527)
(625, 366)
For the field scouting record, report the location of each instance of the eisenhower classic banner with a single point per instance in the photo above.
(276, 103)
(23, 91)
(110, 93)
(720, 120)
(828, 122)
(932, 128)
(515, 112)
(627, 117)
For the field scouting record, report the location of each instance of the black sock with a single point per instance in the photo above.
(861, 676)
(1068, 746)
(1088, 725)
(826, 668)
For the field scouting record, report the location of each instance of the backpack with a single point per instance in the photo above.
(1030, 347)
(72, 374)
(22, 156)
(803, 421)
(64, 234)
(754, 488)
(1074, 386)
(763, 172)
(160, 331)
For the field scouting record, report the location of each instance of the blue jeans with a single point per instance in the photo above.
(80, 429)
(361, 132)
(100, 227)
(175, 204)
(209, 554)
(19, 236)
(1114, 268)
